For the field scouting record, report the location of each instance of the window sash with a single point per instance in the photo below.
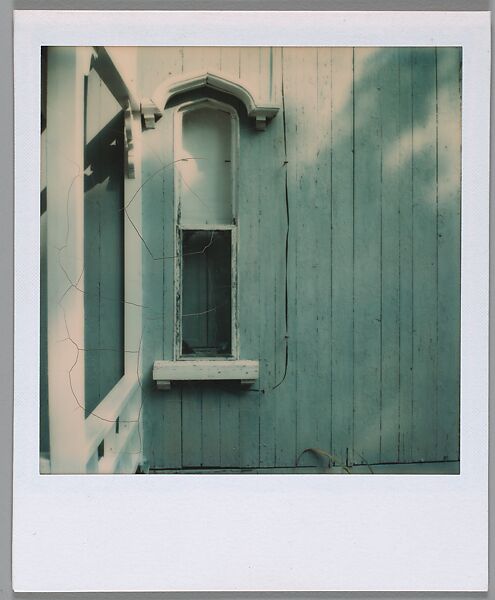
(234, 335)
(180, 111)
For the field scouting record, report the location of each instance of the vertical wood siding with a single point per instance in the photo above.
(349, 262)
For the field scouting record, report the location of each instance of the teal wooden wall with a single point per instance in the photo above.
(349, 262)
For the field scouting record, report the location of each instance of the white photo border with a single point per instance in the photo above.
(263, 532)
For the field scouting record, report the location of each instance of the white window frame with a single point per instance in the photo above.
(206, 368)
(180, 111)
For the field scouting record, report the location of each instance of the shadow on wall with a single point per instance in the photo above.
(403, 282)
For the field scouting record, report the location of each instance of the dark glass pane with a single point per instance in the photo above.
(206, 293)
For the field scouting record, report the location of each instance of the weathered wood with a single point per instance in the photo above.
(192, 454)
(210, 431)
(157, 63)
(425, 408)
(406, 255)
(164, 418)
(195, 78)
(322, 262)
(353, 159)
(286, 393)
(115, 69)
(312, 393)
(390, 253)
(230, 64)
(342, 252)
(65, 258)
(249, 68)
(367, 254)
(205, 370)
(229, 428)
(272, 269)
(249, 266)
(449, 251)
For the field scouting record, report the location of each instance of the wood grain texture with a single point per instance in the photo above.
(367, 254)
(312, 393)
(199, 370)
(349, 237)
(425, 285)
(405, 191)
(286, 390)
(342, 252)
(390, 251)
(449, 250)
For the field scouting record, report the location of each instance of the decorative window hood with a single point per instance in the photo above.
(257, 109)
(166, 371)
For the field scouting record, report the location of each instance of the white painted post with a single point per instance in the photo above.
(131, 452)
(65, 236)
(133, 253)
(134, 300)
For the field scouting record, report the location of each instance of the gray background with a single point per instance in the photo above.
(7, 245)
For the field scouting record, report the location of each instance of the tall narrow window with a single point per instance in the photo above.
(206, 134)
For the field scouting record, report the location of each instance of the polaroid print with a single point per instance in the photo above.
(255, 267)
(251, 262)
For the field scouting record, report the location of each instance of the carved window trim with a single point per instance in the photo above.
(262, 112)
(185, 368)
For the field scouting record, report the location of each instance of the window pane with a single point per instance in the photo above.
(206, 293)
(205, 178)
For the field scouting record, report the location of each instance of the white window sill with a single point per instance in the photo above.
(166, 371)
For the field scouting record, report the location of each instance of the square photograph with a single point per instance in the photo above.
(250, 260)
